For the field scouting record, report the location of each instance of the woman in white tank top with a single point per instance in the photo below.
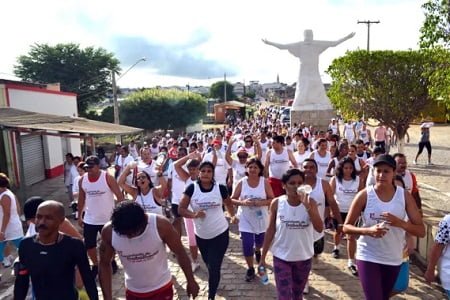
(361, 167)
(144, 193)
(379, 248)
(345, 185)
(341, 152)
(293, 218)
(252, 195)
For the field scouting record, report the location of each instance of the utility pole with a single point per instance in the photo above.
(368, 22)
(116, 104)
(224, 87)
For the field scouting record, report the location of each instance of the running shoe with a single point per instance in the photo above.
(7, 261)
(250, 275)
(195, 265)
(257, 256)
(353, 270)
(306, 289)
(335, 253)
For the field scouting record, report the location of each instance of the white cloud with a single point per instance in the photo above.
(235, 30)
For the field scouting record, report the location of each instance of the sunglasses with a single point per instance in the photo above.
(248, 141)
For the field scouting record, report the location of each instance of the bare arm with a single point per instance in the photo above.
(236, 195)
(267, 163)
(67, 228)
(415, 224)
(270, 232)
(106, 255)
(123, 184)
(81, 202)
(292, 159)
(172, 239)
(114, 187)
(329, 197)
(5, 203)
(228, 157)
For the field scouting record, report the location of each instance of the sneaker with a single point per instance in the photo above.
(250, 275)
(114, 266)
(195, 265)
(306, 289)
(94, 271)
(415, 162)
(430, 163)
(7, 262)
(335, 253)
(257, 256)
(353, 270)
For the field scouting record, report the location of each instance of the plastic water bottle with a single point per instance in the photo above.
(304, 189)
(263, 275)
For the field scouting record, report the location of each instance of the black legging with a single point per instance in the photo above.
(426, 145)
(213, 251)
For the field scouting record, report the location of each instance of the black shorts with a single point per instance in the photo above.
(90, 235)
(319, 245)
(175, 213)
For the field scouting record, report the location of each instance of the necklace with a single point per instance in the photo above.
(47, 244)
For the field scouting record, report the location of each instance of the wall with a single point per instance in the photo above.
(47, 102)
(43, 101)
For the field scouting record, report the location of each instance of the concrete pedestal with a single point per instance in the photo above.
(318, 118)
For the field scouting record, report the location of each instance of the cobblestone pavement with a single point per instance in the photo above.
(329, 278)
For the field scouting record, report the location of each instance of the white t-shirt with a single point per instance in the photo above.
(178, 185)
(345, 193)
(123, 162)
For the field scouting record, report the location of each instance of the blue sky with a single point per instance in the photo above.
(195, 42)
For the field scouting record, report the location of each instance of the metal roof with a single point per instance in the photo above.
(16, 119)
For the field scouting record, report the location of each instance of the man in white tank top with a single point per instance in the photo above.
(408, 178)
(323, 195)
(139, 240)
(277, 163)
(96, 200)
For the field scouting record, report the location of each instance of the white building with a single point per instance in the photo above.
(43, 155)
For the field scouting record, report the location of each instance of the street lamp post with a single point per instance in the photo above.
(114, 91)
(368, 22)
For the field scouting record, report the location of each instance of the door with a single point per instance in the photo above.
(32, 158)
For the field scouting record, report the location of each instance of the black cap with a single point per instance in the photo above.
(385, 159)
(30, 207)
(92, 161)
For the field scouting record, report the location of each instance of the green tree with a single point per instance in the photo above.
(162, 109)
(388, 86)
(436, 26)
(106, 115)
(250, 94)
(217, 90)
(438, 73)
(86, 72)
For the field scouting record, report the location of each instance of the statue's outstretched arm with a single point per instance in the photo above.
(335, 43)
(279, 46)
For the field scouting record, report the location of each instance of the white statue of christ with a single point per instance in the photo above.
(309, 92)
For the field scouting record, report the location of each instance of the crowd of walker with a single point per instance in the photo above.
(283, 185)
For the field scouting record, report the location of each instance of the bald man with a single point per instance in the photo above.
(49, 257)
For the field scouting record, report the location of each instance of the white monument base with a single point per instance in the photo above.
(319, 118)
